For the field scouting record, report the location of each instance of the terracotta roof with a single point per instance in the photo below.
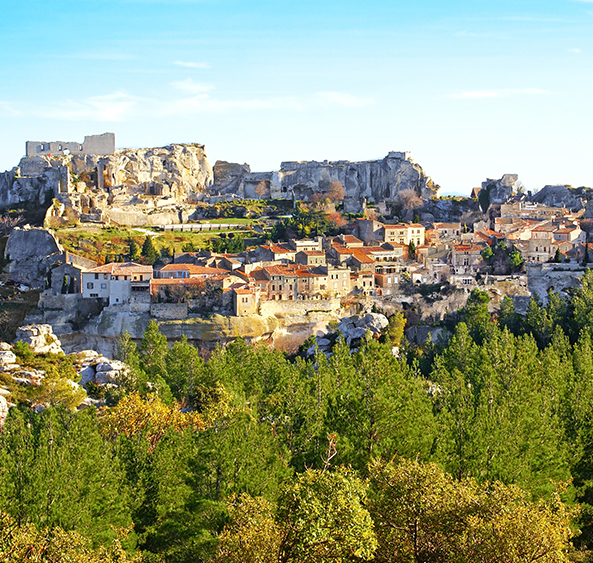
(121, 269)
(405, 226)
(341, 249)
(241, 291)
(349, 239)
(258, 275)
(362, 257)
(175, 281)
(468, 248)
(312, 252)
(544, 228)
(193, 269)
(566, 230)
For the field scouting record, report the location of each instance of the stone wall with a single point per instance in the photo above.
(93, 144)
(296, 308)
(168, 310)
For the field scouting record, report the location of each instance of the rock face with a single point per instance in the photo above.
(91, 186)
(157, 186)
(501, 190)
(375, 180)
(40, 338)
(353, 330)
(31, 253)
(562, 196)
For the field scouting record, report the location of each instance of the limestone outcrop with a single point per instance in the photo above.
(40, 338)
(131, 184)
(499, 191)
(353, 330)
(158, 186)
(31, 252)
(562, 196)
(373, 180)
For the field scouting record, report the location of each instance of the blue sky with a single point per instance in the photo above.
(473, 89)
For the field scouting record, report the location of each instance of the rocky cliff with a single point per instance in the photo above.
(157, 186)
(129, 187)
(373, 180)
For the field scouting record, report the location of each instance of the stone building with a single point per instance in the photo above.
(102, 145)
(117, 283)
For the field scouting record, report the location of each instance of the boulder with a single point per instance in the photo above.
(7, 358)
(40, 338)
(106, 376)
(110, 365)
(3, 410)
(87, 374)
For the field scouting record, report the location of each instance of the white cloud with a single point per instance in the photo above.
(111, 107)
(191, 98)
(191, 87)
(189, 64)
(7, 108)
(480, 94)
(345, 100)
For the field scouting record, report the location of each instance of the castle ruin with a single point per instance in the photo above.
(101, 145)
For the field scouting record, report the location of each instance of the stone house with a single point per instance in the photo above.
(276, 252)
(447, 230)
(179, 271)
(117, 283)
(405, 233)
(370, 231)
(349, 241)
(310, 258)
(363, 282)
(245, 301)
(467, 258)
(306, 244)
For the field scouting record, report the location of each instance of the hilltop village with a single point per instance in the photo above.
(392, 244)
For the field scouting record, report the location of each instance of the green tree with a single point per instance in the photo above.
(154, 351)
(516, 260)
(149, 252)
(476, 314)
(378, 406)
(55, 470)
(422, 514)
(252, 534)
(133, 250)
(487, 253)
(325, 519)
(412, 250)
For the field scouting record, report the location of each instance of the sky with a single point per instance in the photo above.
(473, 89)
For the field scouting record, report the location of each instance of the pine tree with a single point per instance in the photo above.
(149, 252)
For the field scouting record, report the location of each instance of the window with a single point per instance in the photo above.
(59, 147)
(96, 276)
(94, 295)
(89, 285)
(103, 286)
(273, 288)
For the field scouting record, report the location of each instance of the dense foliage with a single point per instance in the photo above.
(476, 450)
